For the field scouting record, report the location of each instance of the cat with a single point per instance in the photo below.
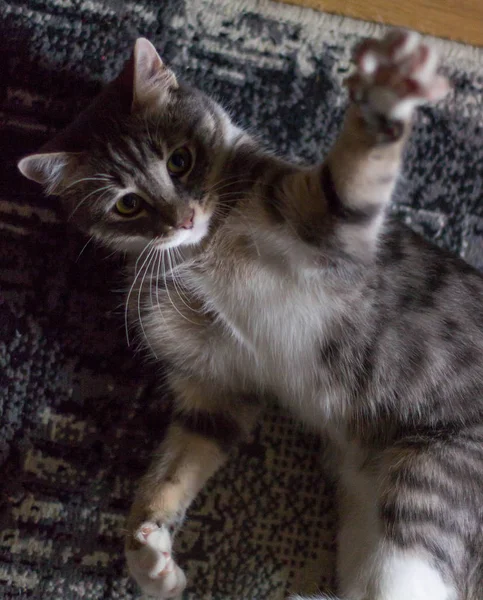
(291, 281)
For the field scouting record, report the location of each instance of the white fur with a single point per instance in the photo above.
(266, 337)
(153, 566)
(405, 575)
(369, 567)
(384, 99)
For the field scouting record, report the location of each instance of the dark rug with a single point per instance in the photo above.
(78, 411)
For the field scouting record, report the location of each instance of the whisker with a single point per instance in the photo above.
(157, 287)
(248, 195)
(106, 187)
(84, 247)
(252, 230)
(140, 290)
(108, 256)
(158, 123)
(171, 300)
(140, 255)
(182, 265)
(177, 286)
(152, 277)
(182, 260)
(227, 182)
(126, 310)
(146, 122)
(99, 177)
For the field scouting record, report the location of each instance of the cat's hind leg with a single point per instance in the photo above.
(397, 536)
(400, 538)
(392, 574)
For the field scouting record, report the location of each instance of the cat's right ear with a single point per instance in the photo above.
(152, 78)
(51, 169)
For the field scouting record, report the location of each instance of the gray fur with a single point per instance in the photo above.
(303, 290)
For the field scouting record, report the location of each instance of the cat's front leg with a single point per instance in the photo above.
(207, 423)
(392, 77)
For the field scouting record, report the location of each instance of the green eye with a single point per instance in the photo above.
(180, 162)
(129, 205)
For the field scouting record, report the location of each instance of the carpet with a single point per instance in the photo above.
(79, 412)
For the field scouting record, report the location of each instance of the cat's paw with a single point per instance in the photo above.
(395, 74)
(151, 564)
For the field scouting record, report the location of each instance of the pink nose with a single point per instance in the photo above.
(187, 223)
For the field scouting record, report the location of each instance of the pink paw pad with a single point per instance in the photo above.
(152, 565)
(396, 74)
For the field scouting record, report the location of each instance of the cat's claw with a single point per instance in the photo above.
(152, 565)
(395, 74)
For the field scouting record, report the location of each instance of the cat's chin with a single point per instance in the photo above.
(187, 237)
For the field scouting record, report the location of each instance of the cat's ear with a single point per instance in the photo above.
(151, 76)
(51, 169)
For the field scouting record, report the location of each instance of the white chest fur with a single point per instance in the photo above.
(264, 334)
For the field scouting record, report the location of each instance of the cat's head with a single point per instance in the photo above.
(147, 167)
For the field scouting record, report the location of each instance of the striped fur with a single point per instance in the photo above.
(294, 284)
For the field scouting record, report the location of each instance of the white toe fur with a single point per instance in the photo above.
(409, 45)
(406, 58)
(152, 565)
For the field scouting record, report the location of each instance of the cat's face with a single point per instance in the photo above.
(147, 175)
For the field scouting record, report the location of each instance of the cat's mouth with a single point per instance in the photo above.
(188, 234)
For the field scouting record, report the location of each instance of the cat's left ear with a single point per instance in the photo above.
(52, 170)
(152, 78)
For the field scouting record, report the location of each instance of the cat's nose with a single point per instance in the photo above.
(187, 222)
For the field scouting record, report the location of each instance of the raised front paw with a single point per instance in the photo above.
(148, 555)
(395, 74)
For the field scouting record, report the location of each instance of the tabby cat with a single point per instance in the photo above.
(288, 281)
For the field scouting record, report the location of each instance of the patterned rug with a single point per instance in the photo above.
(79, 414)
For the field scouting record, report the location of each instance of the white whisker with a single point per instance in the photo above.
(178, 287)
(84, 247)
(171, 300)
(106, 187)
(152, 277)
(99, 177)
(249, 225)
(111, 254)
(140, 255)
(126, 311)
(151, 255)
(146, 122)
(157, 286)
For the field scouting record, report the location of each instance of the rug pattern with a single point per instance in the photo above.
(79, 414)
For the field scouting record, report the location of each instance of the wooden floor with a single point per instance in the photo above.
(459, 20)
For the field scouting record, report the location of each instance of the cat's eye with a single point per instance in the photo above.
(180, 162)
(129, 205)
